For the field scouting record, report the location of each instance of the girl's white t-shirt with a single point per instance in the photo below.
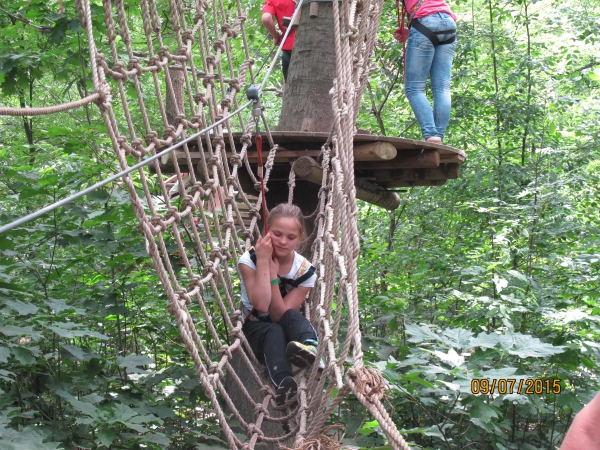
(299, 268)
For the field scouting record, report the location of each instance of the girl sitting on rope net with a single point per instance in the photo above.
(275, 280)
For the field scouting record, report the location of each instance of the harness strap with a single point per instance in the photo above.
(283, 281)
(432, 35)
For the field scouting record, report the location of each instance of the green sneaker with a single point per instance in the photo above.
(303, 354)
(286, 391)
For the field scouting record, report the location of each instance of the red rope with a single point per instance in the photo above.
(258, 142)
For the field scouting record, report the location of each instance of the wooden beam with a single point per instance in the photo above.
(445, 171)
(407, 159)
(374, 151)
(309, 169)
(408, 183)
(451, 158)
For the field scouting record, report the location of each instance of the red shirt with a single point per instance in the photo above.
(280, 9)
(428, 7)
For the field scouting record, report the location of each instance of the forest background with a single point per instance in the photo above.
(493, 275)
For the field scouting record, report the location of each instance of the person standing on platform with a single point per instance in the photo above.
(281, 11)
(429, 52)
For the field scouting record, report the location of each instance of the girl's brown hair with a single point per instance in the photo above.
(291, 211)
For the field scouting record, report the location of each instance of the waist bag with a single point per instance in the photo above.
(432, 35)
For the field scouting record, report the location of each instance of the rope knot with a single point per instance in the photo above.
(196, 282)
(134, 64)
(188, 202)
(180, 120)
(154, 60)
(119, 71)
(254, 212)
(252, 429)
(214, 368)
(246, 139)
(208, 80)
(259, 408)
(247, 234)
(158, 222)
(218, 140)
(138, 145)
(369, 382)
(235, 317)
(234, 84)
(182, 292)
(152, 138)
(226, 103)
(170, 133)
(173, 212)
(225, 255)
(235, 160)
(209, 267)
(200, 97)
(163, 52)
(197, 187)
(182, 54)
(257, 186)
(199, 17)
(104, 97)
(188, 36)
(219, 46)
(225, 350)
(210, 61)
(230, 32)
(216, 253)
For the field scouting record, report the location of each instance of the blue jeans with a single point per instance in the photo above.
(422, 60)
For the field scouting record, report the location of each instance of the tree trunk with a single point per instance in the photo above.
(306, 101)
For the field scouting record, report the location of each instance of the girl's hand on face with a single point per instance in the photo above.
(264, 247)
(273, 267)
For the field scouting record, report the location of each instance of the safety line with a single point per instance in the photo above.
(143, 163)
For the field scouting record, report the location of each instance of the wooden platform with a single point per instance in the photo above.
(381, 163)
(417, 163)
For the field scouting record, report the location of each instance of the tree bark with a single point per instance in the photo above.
(311, 74)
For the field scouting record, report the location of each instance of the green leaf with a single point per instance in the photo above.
(420, 334)
(4, 354)
(132, 362)
(106, 436)
(525, 346)
(24, 356)
(157, 438)
(457, 338)
(482, 414)
(11, 330)
(24, 309)
(71, 330)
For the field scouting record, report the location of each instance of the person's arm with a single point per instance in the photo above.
(258, 282)
(267, 21)
(584, 432)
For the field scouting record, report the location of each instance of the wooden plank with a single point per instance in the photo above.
(408, 159)
(407, 183)
(374, 151)
(444, 172)
(309, 169)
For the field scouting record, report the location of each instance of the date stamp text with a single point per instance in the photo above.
(527, 386)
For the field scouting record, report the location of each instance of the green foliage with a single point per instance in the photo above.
(493, 276)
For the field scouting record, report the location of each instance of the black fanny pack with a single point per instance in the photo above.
(432, 35)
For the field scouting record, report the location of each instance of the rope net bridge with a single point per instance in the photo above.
(213, 220)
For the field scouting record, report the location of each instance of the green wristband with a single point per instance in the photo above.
(275, 281)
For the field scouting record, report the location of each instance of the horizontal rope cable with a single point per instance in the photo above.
(49, 109)
(143, 163)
